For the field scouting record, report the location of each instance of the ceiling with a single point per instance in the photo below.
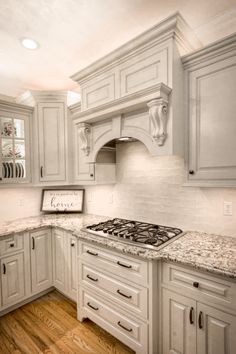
(74, 33)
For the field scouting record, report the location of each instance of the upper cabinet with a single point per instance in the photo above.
(136, 91)
(210, 100)
(50, 136)
(15, 150)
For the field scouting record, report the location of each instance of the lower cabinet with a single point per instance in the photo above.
(13, 284)
(65, 263)
(41, 260)
(203, 320)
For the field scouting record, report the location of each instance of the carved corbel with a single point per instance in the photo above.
(84, 130)
(158, 114)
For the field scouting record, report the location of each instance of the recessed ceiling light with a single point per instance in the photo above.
(29, 43)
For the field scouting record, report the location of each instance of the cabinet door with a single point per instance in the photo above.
(59, 260)
(217, 334)
(178, 324)
(52, 154)
(72, 267)
(41, 260)
(13, 283)
(83, 171)
(212, 123)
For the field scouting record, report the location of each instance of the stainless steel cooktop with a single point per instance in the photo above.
(134, 232)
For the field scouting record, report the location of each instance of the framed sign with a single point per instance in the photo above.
(62, 200)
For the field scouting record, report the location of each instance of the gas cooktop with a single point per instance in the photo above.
(129, 231)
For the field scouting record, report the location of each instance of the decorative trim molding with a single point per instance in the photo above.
(16, 107)
(84, 131)
(158, 109)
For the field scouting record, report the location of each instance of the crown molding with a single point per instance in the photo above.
(172, 27)
(17, 107)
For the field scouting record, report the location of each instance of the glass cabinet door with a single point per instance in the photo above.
(13, 148)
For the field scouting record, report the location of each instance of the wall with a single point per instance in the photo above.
(150, 189)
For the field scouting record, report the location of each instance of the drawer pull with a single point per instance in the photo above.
(191, 315)
(195, 284)
(123, 265)
(121, 325)
(200, 320)
(72, 244)
(91, 278)
(92, 253)
(120, 293)
(4, 268)
(12, 244)
(92, 307)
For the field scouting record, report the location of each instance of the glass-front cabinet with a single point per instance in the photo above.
(14, 146)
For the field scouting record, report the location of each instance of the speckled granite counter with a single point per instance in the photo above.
(212, 253)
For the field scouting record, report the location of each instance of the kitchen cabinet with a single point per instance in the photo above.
(210, 99)
(203, 321)
(64, 246)
(13, 284)
(41, 260)
(15, 148)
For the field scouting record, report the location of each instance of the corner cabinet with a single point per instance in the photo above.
(15, 152)
(211, 106)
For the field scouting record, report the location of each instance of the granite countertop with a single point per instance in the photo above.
(207, 252)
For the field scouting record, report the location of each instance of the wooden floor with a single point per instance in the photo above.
(49, 325)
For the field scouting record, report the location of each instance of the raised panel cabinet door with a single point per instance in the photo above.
(13, 283)
(212, 123)
(72, 267)
(83, 171)
(41, 260)
(59, 259)
(178, 324)
(52, 147)
(216, 333)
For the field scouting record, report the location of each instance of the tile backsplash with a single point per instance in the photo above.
(150, 189)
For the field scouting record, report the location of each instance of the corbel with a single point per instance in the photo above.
(84, 131)
(158, 114)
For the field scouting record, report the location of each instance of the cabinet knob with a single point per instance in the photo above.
(191, 172)
(195, 284)
(0, 178)
(91, 174)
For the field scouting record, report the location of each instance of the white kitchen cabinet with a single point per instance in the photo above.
(210, 100)
(41, 260)
(52, 146)
(59, 259)
(203, 321)
(15, 148)
(13, 279)
(72, 266)
(217, 334)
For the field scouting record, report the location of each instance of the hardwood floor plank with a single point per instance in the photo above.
(49, 325)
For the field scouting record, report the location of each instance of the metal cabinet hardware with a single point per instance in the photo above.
(0, 178)
(92, 253)
(33, 243)
(4, 268)
(41, 171)
(91, 174)
(200, 320)
(196, 284)
(91, 278)
(123, 265)
(191, 172)
(92, 307)
(12, 244)
(191, 315)
(127, 329)
(72, 244)
(122, 294)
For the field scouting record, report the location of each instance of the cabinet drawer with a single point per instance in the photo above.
(129, 330)
(126, 267)
(134, 298)
(211, 288)
(11, 244)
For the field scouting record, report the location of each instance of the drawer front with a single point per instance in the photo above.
(209, 287)
(129, 330)
(102, 91)
(135, 270)
(11, 244)
(134, 298)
